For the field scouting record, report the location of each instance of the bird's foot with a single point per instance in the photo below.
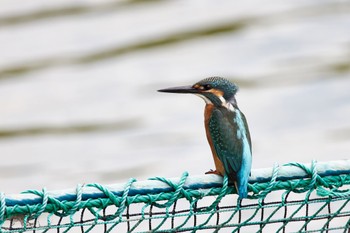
(213, 172)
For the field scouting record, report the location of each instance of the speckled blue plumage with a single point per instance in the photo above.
(229, 88)
(226, 129)
(231, 140)
(229, 133)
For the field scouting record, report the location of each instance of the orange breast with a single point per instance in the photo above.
(207, 113)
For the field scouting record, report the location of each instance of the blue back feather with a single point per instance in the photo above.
(230, 136)
(244, 172)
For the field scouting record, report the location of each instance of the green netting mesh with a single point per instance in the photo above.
(290, 198)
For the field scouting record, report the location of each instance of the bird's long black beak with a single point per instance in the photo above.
(181, 90)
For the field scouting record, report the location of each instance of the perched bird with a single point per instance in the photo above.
(226, 129)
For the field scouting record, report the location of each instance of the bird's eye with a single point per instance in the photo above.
(207, 87)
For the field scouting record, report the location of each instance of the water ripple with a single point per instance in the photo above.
(80, 128)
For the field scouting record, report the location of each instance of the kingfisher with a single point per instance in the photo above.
(226, 129)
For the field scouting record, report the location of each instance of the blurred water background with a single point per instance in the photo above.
(78, 81)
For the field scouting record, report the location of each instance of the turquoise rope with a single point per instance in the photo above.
(177, 187)
(119, 202)
(270, 186)
(325, 186)
(2, 208)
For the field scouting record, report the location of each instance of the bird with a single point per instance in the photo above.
(226, 129)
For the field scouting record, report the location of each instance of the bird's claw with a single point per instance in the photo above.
(213, 172)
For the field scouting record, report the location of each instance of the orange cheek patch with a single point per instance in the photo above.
(196, 86)
(216, 92)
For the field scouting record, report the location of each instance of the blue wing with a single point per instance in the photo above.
(231, 139)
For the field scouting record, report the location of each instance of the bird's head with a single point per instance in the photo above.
(214, 90)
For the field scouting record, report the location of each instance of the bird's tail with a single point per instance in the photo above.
(242, 190)
(241, 186)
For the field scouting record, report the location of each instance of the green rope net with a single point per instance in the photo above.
(289, 198)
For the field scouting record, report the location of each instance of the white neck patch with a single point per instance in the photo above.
(206, 100)
(226, 104)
